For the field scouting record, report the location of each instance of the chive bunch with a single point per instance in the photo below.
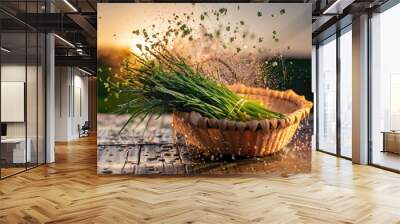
(161, 82)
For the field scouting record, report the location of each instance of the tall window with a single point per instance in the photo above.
(385, 89)
(345, 43)
(326, 99)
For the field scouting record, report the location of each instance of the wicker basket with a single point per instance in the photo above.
(252, 138)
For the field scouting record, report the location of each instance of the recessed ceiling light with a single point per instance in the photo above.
(5, 50)
(338, 6)
(84, 71)
(64, 40)
(70, 5)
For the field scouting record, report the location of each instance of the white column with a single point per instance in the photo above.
(50, 91)
(50, 98)
(360, 90)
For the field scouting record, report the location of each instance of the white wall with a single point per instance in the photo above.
(71, 102)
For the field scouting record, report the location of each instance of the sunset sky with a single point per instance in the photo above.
(293, 27)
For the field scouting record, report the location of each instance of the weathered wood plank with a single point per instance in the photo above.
(149, 162)
(171, 159)
(112, 159)
(132, 160)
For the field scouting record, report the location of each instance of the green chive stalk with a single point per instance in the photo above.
(160, 82)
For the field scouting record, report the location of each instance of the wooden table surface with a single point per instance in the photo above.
(139, 152)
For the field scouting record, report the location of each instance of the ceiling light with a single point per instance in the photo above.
(64, 40)
(5, 50)
(84, 71)
(70, 5)
(329, 9)
(337, 7)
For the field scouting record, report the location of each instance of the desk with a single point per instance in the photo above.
(15, 148)
(391, 141)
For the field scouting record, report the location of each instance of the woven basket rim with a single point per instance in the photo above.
(304, 107)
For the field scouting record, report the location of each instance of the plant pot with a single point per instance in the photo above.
(252, 138)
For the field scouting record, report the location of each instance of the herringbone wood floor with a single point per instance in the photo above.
(70, 191)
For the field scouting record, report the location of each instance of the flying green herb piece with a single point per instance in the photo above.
(283, 11)
(260, 39)
(238, 50)
(274, 32)
(272, 15)
(242, 23)
(139, 46)
(223, 11)
(228, 28)
(137, 32)
(259, 13)
(202, 17)
(276, 40)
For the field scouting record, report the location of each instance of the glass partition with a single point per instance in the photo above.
(14, 153)
(326, 98)
(22, 77)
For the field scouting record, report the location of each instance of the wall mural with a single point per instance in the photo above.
(196, 89)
